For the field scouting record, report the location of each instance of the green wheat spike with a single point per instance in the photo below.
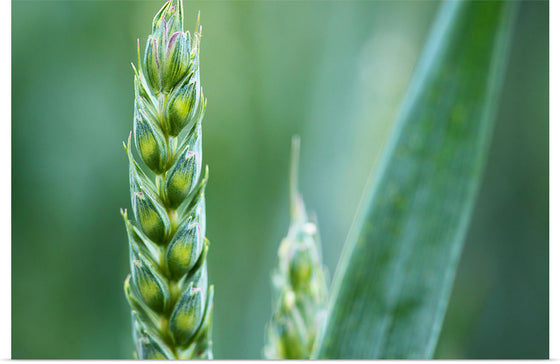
(299, 282)
(167, 289)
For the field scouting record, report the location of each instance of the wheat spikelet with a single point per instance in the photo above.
(299, 282)
(167, 289)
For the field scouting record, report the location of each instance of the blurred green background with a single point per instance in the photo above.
(332, 71)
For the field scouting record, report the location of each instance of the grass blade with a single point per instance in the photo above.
(392, 285)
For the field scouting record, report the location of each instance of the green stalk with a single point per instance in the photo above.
(167, 289)
(299, 282)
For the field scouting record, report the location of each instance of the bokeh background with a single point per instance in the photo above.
(333, 72)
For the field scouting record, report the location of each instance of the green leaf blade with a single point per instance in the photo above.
(393, 282)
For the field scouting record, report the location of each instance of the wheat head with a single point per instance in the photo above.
(299, 282)
(167, 289)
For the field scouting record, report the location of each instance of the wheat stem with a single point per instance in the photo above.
(294, 167)
(167, 289)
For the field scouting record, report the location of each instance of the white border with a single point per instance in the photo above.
(554, 181)
(5, 197)
(6, 182)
